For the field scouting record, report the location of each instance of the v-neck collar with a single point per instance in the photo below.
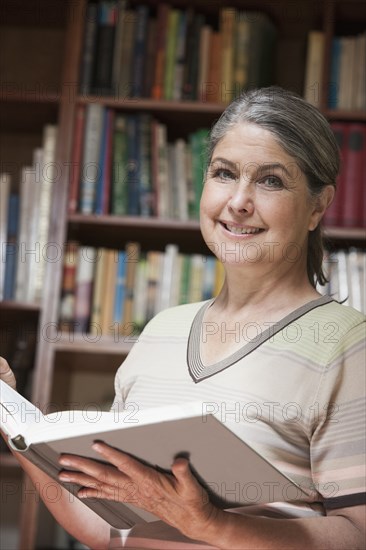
(199, 371)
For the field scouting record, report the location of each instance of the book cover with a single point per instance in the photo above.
(106, 26)
(118, 40)
(213, 87)
(11, 247)
(146, 191)
(148, 80)
(29, 248)
(333, 214)
(47, 181)
(132, 255)
(126, 66)
(103, 187)
(180, 55)
(68, 286)
(76, 158)
(5, 181)
(203, 66)
(352, 208)
(216, 454)
(171, 47)
(133, 164)
(161, 33)
(88, 49)
(90, 169)
(227, 16)
(99, 292)
(139, 50)
(84, 288)
(110, 277)
(119, 291)
(333, 86)
(119, 167)
(314, 67)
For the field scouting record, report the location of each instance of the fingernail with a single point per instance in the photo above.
(64, 461)
(97, 447)
(64, 477)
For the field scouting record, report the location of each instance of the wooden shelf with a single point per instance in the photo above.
(10, 305)
(92, 344)
(151, 233)
(349, 235)
(154, 105)
(337, 114)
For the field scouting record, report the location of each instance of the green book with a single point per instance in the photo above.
(172, 34)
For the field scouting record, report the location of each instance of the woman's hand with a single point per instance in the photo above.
(6, 374)
(176, 498)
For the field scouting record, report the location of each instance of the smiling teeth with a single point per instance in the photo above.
(242, 231)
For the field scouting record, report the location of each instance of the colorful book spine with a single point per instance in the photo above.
(139, 50)
(119, 167)
(77, 150)
(5, 181)
(91, 152)
(106, 25)
(11, 247)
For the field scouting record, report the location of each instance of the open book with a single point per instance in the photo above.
(231, 471)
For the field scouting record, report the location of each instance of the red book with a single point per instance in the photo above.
(161, 32)
(352, 214)
(77, 150)
(333, 215)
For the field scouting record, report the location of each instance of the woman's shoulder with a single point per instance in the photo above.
(346, 316)
(177, 319)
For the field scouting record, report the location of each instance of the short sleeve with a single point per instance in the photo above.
(338, 440)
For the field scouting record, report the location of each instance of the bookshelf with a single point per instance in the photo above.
(40, 87)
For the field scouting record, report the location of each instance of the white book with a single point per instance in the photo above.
(31, 251)
(167, 276)
(355, 278)
(47, 178)
(5, 181)
(154, 435)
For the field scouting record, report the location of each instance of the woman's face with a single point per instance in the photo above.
(255, 205)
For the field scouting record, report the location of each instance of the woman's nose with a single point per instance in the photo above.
(242, 198)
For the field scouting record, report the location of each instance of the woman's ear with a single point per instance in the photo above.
(321, 203)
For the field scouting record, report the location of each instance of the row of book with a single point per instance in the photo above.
(107, 291)
(117, 292)
(347, 78)
(123, 164)
(349, 206)
(346, 271)
(24, 223)
(174, 54)
(347, 81)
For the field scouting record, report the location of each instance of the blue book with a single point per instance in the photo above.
(119, 293)
(333, 88)
(104, 168)
(139, 51)
(11, 248)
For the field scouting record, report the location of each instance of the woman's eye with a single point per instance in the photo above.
(273, 182)
(223, 174)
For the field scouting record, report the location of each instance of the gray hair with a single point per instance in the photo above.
(303, 132)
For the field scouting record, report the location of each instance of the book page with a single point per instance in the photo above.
(16, 412)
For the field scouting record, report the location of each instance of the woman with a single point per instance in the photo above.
(268, 340)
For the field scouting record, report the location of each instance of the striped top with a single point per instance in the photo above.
(295, 394)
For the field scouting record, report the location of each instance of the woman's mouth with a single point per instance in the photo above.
(237, 230)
